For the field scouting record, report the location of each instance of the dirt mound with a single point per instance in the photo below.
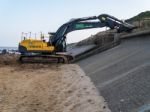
(8, 59)
(100, 39)
(47, 88)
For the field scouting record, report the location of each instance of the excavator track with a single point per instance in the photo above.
(58, 58)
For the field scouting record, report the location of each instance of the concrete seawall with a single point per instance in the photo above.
(122, 73)
(105, 41)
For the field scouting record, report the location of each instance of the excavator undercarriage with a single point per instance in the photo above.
(55, 58)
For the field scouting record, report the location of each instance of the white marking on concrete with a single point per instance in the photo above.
(123, 75)
(115, 62)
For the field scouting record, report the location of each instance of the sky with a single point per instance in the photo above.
(17, 16)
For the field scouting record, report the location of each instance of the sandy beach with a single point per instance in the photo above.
(46, 88)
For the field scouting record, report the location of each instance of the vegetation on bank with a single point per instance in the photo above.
(141, 20)
(142, 16)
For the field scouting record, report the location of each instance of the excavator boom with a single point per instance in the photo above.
(103, 20)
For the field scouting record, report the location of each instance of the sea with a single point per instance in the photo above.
(9, 49)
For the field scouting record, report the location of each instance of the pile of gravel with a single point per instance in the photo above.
(98, 39)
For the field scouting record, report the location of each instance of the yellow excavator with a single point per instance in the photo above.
(54, 50)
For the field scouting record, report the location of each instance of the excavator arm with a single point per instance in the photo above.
(100, 21)
(115, 23)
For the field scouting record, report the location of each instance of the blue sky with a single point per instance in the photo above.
(34, 16)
